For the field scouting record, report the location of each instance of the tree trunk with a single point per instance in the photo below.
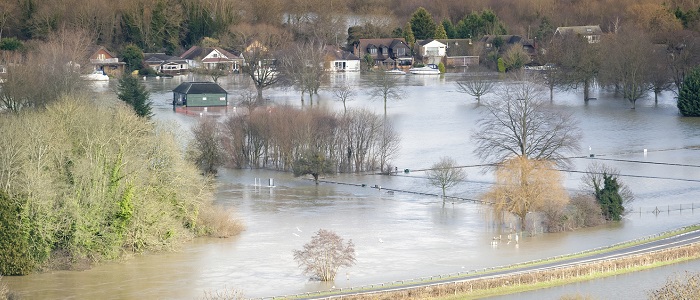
(586, 84)
(260, 95)
(656, 98)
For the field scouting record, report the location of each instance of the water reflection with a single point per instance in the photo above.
(397, 236)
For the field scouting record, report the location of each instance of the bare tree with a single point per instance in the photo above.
(520, 124)
(49, 72)
(303, 68)
(445, 174)
(385, 87)
(683, 55)
(388, 146)
(214, 73)
(325, 254)
(525, 185)
(343, 93)
(593, 180)
(476, 85)
(205, 150)
(627, 64)
(578, 61)
(260, 67)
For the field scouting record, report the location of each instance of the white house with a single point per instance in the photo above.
(341, 61)
(431, 51)
(212, 58)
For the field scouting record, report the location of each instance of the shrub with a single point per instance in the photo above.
(441, 67)
(15, 254)
(585, 212)
(678, 287)
(218, 222)
(146, 71)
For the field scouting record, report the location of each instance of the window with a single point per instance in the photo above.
(101, 56)
(401, 52)
(215, 55)
(204, 98)
(373, 51)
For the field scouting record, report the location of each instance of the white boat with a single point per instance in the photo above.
(396, 72)
(430, 69)
(96, 75)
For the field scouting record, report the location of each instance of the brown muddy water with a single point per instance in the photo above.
(398, 235)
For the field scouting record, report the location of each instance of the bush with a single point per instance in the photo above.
(689, 95)
(15, 253)
(107, 183)
(680, 287)
(146, 71)
(441, 67)
(585, 212)
(219, 222)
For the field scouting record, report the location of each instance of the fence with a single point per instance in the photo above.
(452, 198)
(666, 209)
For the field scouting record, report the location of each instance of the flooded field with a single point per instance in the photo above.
(399, 235)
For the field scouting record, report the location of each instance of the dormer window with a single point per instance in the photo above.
(372, 50)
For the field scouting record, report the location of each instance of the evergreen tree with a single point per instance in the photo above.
(134, 93)
(314, 163)
(408, 35)
(440, 33)
(689, 95)
(609, 198)
(132, 56)
(450, 29)
(422, 24)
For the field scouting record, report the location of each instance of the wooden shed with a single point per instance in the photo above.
(200, 94)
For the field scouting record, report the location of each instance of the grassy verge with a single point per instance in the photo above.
(559, 282)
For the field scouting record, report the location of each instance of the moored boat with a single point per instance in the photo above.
(430, 69)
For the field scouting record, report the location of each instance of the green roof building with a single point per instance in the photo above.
(199, 94)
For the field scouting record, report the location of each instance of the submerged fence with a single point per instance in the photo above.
(660, 210)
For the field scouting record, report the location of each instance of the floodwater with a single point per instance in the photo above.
(398, 235)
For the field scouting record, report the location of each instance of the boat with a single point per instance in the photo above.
(96, 75)
(396, 72)
(430, 69)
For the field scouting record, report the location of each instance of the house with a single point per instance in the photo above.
(212, 58)
(592, 33)
(103, 60)
(503, 42)
(431, 51)
(338, 60)
(199, 94)
(164, 63)
(385, 52)
(460, 53)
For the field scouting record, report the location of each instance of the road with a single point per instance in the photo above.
(647, 247)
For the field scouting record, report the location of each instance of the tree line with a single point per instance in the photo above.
(290, 139)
